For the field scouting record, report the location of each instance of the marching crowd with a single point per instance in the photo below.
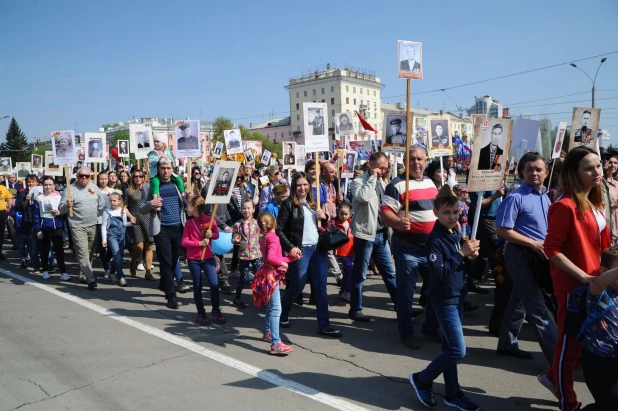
(553, 255)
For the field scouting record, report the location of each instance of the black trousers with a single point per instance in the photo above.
(55, 238)
(168, 243)
(601, 375)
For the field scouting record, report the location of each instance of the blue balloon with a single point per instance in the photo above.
(223, 244)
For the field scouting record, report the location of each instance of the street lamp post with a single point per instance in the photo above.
(595, 76)
(1, 118)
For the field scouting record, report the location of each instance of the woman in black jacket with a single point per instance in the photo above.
(298, 231)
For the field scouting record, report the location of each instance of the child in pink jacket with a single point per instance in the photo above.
(196, 239)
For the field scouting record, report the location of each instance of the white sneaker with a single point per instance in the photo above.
(106, 275)
(548, 384)
(140, 267)
(82, 278)
(45, 275)
(113, 278)
(123, 282)
(65, 277)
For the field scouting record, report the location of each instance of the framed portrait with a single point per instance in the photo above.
(51, 168)
(315, 127)
(95, 147)
(395, 130)
(6, 165)
(439, 139)
(255, 145)
(249, 156)
(559, 143)
(23, 169)
(222, 182)
(141, 140)
(273, 161)
(50, 203)
(346, 123)
(233, 141)
(218, 150)
(187, 139)
(410, 60)
(490, 154)
(123, 148)
(63, 147)
(584, 127)
(289, 154)
(265, 157)
(37, 162)
(349, 160)
(301, 156)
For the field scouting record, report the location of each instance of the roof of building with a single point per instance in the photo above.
(273, 122)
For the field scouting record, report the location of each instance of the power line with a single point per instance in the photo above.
(560, 112)
(505, 76)
(552, 98)
(564, 102)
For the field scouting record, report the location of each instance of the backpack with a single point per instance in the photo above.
(577, 318)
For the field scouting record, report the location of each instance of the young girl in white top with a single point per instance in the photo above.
(113, 233)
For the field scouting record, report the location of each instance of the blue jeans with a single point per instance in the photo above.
(209, 267)
(314, 260)
(31, 241)
(115, 240)
(346, 280)
(273, 313)
(243, 268)
(381, 253)
(410, 261)
(450, 318)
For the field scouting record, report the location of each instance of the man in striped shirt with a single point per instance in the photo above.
(408, 241)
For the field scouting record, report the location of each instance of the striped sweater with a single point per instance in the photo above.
(421, 196)
(88, 205)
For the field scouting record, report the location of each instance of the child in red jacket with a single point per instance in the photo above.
(345, 253)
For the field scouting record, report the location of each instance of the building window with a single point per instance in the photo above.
(375, 115)
(314, 93)
(297, 106)
(323, 90)
(332, 89)
(375, 105)
(332, 100)
(290, 133)
(298, 117)
(305, 93)
(347, 100)
(374, 93)
(361, 90)
(297, 128)
(297, 94)
(347, 89)
(354, 90)
(332, 112)
(354, 101)
(333, 124)
(361, 102)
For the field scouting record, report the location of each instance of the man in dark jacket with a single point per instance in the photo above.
(25, 236)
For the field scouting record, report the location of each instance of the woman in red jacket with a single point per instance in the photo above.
(576, 236)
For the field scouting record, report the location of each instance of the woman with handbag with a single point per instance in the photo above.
(297, 229)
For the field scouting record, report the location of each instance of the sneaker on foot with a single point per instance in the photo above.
(280, 349)
(24, 264)
(82, 279)
(106, 275)
(238, 303)
(202, 319)
(359, 316)
(219, 318)
(172, 303)
(284, 323)
(122, 282)
(140, 267)
(65, 277)
(268, 337)
(345, 296)
(92, 285)
(226, 287)
(424, 392)
(45, 275)
(461, 402)
(113, 278)
(249, 277)
(184, 288)
(548, 384)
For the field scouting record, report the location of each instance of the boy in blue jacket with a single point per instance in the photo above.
(447, 291)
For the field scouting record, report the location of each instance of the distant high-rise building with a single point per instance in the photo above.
(485, 105)
(606, 139)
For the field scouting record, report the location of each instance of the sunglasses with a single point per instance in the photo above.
(196, 174)
(83, 175)
(138, 176)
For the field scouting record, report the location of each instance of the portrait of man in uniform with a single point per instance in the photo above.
(63, 146)
(23, 170)
(317, 122)
(396, 135)
(5, 164)
(234, 141)
(187, 141)
(290, 157)
(95, 149)
(218, 148)
(37, 162)
(584, 134)
(439, 135)
(488, 153)
(223, 183)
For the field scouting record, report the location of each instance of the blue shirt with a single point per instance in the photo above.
(487, 211)
(272, 208)
(525, 211)
(323, 194)
(170, 211)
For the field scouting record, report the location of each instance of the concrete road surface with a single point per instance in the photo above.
(63, 347)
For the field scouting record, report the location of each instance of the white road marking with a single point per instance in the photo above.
(274, 379)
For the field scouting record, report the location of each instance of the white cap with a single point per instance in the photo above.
(162, 137)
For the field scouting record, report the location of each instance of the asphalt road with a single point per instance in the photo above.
(64, 347)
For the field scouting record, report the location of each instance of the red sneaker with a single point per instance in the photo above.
(280, 349)
(202, 319)
(268, 337)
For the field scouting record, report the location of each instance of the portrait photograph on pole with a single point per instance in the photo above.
(187, 138)
(410, 60)
(289, 154)
(301, 156)
(222, 182)
(315, 127)
(490, 154)
(584, 127)
(51, 168)
(23, 169)
(63, 147)
(440, 143)
(141, 140)
(249, 156)
(347, 168)
(346, 123)
(95, 147)
(233, 141)
(395, 137)
(265, 157)
(559, 143)
(37, 162)
(218, 150)
(123, 148)
(6, 165)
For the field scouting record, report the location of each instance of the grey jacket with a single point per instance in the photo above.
(366, 206)
(88, 204)
(155, 216)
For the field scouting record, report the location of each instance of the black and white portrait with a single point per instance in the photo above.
(492, 148)
(63, 147)
(141, 140)
(439, 140)
(395, 131)
(188, 139)
(265, 157)
(347, 169)
(410, 60)
(301, 156)
(5, 165)
(23, 169)
(289, 154)
(218, 150)
(123, 148)
(346, 123)
(248, 156)
(233, 141)
(37, 162)
(47, 206)
(223, 182)
(95, 147)
(315, 125)
(316, 121)
(585, 122)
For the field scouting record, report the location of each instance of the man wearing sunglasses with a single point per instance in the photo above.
(274, 175)
(88, 204)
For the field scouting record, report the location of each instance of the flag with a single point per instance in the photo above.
(366, 124)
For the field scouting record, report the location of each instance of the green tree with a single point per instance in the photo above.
(16, 144)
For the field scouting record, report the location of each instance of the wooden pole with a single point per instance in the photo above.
(317, 185)
(212, 218)
(189, 176)
(67, 178)
(441, 170)
(551, 173)
(477, 215)
(408, 139)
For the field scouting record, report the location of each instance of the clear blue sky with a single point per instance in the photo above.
(88, 63)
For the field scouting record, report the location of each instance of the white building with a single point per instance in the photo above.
(349, 89)
(606, 139)
(485, 105)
